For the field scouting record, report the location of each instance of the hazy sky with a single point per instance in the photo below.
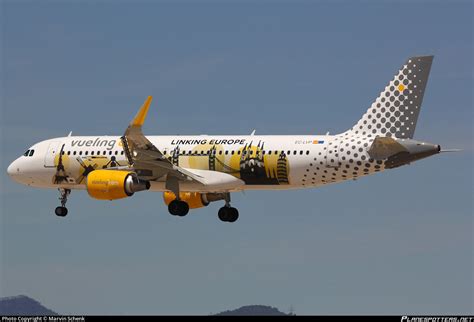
(398, 242)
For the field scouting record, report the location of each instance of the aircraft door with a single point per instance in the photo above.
(53, 149)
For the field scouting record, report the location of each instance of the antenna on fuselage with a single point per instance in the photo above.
(253, 132)
(70, 133)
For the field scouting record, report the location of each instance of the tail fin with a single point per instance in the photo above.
(395, 111)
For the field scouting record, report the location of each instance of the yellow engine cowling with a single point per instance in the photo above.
(114, 184)
(193, 199)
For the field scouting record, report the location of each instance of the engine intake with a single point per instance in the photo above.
(114, 184)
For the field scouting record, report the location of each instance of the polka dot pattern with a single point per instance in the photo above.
(395, 112)
(343, 158)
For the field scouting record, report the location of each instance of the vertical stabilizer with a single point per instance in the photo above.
(395, 112)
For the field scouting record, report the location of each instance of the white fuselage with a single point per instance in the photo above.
(266, 162)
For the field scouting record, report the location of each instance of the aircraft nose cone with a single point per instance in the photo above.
(11, 170)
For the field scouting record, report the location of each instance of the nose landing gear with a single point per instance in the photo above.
(61, 211)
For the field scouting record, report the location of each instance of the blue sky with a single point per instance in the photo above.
(395, 243)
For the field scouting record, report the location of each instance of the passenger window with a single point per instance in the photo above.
(116, 152)
(270, 152)
(87, 153)
(251, 152)
(74, 153)
(238, 152)
(307, 152)
(276, 152)
(301, 152)
(80, 152)
(92, 152)
(232, 152)
(220, 152)
(121, 153)
(68, 152)
(226, 152)
(105, 152)
(31, 153)
(263, 152)
(288, 152)
(110, 152)
(294, 152)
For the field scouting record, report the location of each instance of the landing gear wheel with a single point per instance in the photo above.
(228, 214)
(234, 214)
(178, 208)
(61, 211)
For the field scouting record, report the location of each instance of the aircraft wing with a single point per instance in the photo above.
(148, 162)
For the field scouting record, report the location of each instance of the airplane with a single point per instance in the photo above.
(194, 171)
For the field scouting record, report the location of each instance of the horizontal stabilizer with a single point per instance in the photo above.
(384, 147)
(396, 152)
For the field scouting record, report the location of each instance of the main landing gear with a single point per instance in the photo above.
(61, 211)
(228, 213)
(178, 208)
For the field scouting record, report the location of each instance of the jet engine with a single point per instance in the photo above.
(193, 199)
(114, 184)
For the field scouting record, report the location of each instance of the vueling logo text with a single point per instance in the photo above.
(98, 142)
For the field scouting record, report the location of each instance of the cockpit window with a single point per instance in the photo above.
(29, 153)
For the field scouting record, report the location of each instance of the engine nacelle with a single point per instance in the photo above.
(114, 184)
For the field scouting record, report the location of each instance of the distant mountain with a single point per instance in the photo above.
(22, 305)
(254, 310)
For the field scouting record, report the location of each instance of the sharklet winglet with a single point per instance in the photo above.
(139, 119)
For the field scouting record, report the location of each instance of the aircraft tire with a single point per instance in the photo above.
(228, 214)
(178, 208)
(60, 211)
